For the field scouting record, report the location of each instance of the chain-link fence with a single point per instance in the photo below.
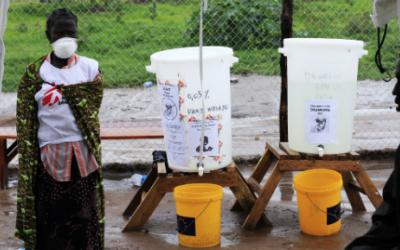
(122, 34)
(376, 120)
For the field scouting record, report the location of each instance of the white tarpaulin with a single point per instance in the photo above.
(3, 22)
(384, 11)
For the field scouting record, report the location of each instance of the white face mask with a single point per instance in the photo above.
(65, 47)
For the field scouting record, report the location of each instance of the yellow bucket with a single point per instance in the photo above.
(318, 199)
(198, 210)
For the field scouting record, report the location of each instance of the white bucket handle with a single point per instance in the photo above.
(363, 52)
(234, 60)
(150, 69)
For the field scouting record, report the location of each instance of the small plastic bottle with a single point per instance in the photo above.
(147, 84)
(137, 179)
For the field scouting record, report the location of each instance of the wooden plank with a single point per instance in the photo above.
(169, 182)
(241, 182)
(258, 209)
(344, 156)
(286, 189)
(255, 185)
(7, 121)
(369, 187)
(145, 208)
(266, 160)
(355, 155)
(259, 171)
(114, 133)
(293, 154)
(8, 133)
(354, 196)
(334, 157)
(12, 151)
(150, 179)
(236, 207)
(3, 164)
(300, 165)
(137, 198)
(327, 157)
(354, 185)
(245, 198)
(131, 133)
(263, 165)
(278, 153)
(134, 203)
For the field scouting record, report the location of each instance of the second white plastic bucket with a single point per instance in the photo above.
(178, 80)
(322, 81)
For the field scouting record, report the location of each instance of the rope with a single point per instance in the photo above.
(378, 56)
(203, 8)
(186, 227)
(342, 210)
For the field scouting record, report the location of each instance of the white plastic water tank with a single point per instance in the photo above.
(322, 81)
(178, 80)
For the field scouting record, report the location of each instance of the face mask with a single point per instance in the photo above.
(65, 47)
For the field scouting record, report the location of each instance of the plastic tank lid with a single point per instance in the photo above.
(191, 54)
(323, 42)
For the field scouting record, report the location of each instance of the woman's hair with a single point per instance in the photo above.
(60, 14)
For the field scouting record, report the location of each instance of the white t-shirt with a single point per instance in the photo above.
(56, 121)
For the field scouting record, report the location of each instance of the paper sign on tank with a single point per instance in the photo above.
(320, 119)
(175, 143)
(174, 129)
(210, 142)
(169, 103)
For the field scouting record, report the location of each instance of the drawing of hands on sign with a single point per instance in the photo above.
(205, 147)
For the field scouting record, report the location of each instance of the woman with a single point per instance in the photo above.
(60, 193)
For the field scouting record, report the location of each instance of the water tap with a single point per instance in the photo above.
(320, 150)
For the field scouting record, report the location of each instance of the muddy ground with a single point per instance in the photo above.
(160, 233)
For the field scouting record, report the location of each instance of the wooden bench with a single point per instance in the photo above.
(111, 131)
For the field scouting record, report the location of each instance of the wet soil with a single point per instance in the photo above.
(160, 231)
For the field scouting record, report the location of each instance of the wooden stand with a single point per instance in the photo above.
(6, 156)
(156, 185)
(283, 159)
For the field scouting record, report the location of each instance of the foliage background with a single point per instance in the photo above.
(122, 34)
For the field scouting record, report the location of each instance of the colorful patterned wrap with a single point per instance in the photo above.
(84, 100)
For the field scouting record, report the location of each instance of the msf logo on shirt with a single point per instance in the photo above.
(53, 96)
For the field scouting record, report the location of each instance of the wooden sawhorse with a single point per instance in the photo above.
(149, 195)
(281, 159)
(7, 153)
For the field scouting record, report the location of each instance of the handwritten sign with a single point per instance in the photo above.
(210, 142)
(175, 143)
(174, 129)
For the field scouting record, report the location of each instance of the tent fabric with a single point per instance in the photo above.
(3, 22)
(384, 11)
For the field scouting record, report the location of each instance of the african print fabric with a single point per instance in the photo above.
(84, 100)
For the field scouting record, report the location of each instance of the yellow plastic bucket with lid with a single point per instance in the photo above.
(319, 201)
(198, 210)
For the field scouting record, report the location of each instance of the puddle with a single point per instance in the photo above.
(168, 238)
(173, 239)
